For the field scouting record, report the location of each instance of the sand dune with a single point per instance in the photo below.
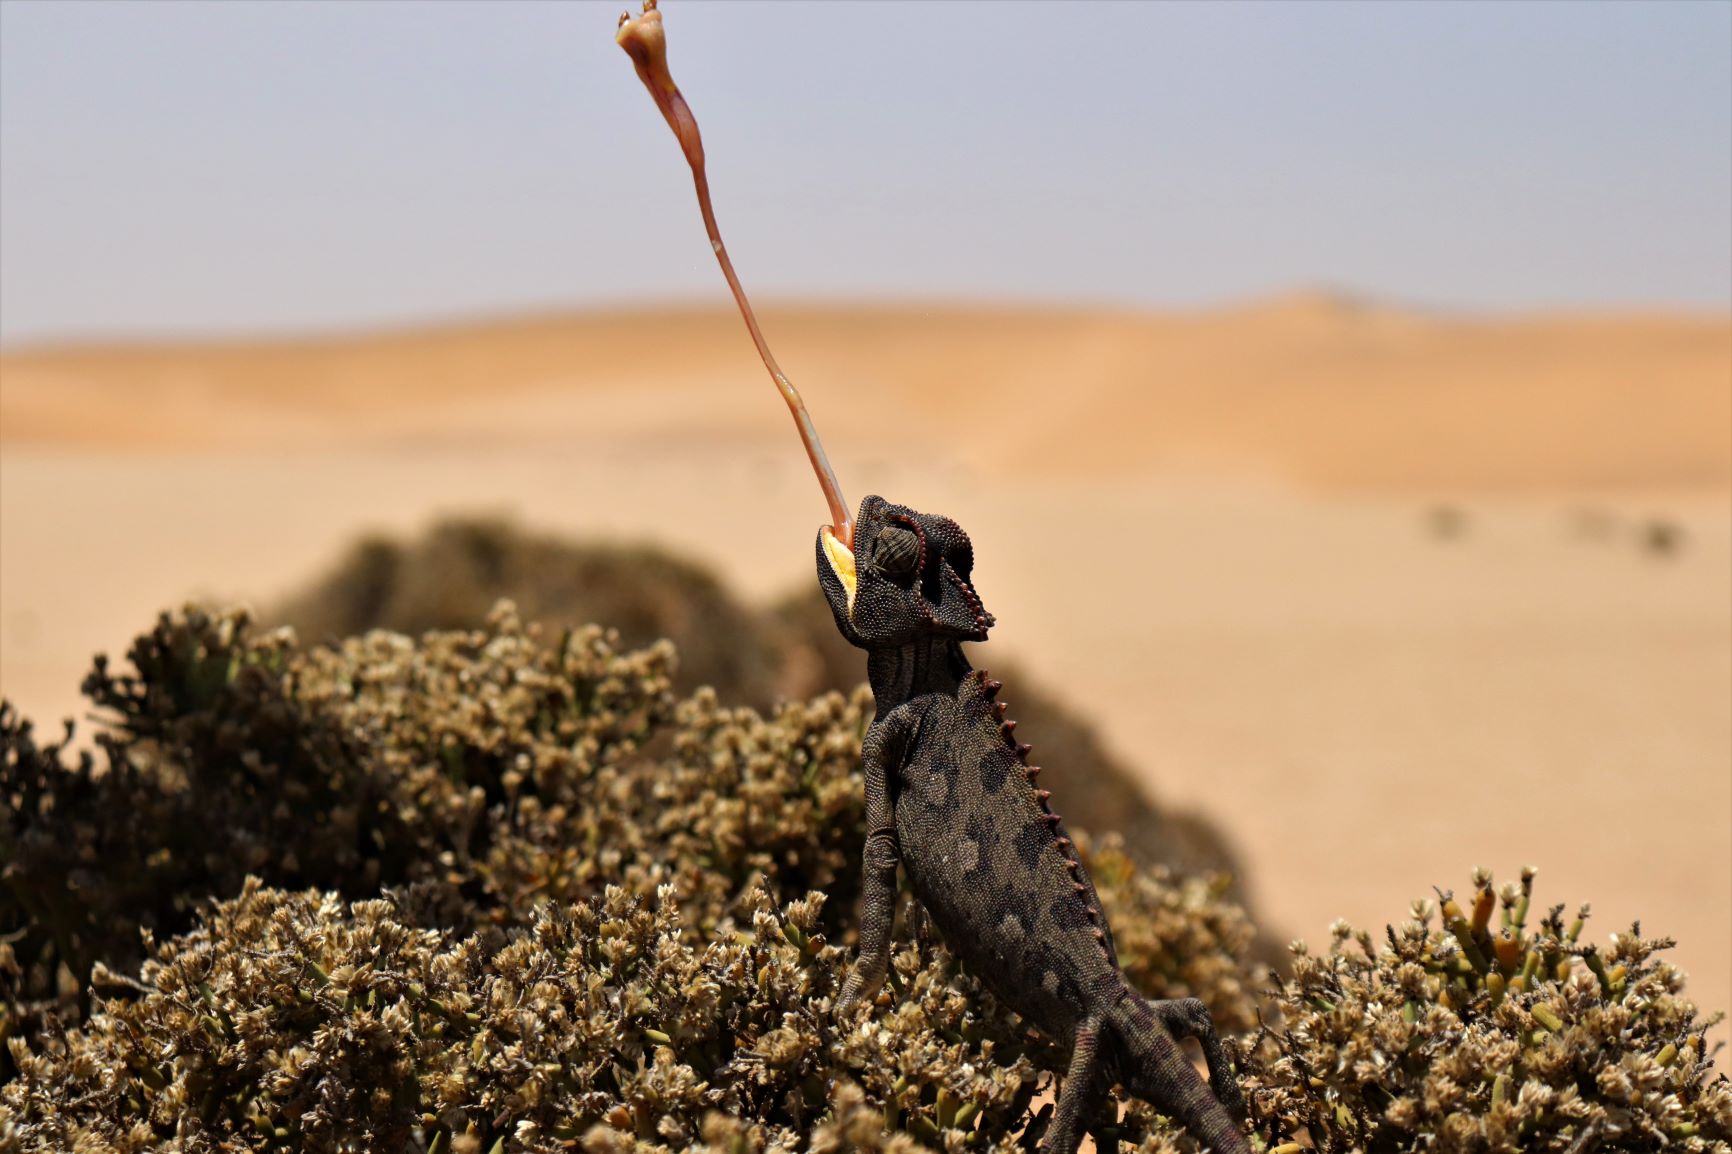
(1212, 531)
(1312, 388)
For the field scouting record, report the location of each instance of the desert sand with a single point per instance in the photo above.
(1387, 595)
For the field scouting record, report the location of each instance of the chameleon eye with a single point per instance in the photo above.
(897, 554)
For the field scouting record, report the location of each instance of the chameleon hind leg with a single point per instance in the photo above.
(1158, 1071)
(1189, 1018)
(1080, 1097)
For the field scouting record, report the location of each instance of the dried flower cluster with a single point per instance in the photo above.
(486, 771)
(515, 799)
(496, 892)
(295, 1021)
(1470, 1030)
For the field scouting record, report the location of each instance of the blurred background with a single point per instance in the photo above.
(1339, 396)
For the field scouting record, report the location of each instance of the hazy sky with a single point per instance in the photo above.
(240, 167)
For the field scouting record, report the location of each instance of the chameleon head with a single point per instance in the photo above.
(908, 576)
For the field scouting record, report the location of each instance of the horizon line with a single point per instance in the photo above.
(1321, 298)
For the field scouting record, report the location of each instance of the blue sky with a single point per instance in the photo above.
(283, 166)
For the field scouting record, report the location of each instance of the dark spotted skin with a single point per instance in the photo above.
(988, 859)
(952, 798)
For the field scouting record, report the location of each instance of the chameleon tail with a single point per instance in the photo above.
(1158, 1071)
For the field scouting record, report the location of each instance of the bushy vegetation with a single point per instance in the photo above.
(506, 890)
(451, 575)
(488, 781)
(1472, 1030)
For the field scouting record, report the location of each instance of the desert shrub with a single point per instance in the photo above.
(297, 1021)
(449, 576)
(562, 908)
(294, 1021)
(1474, 1031)
(484, 773)
(208, 772)
(487, 769)
(231, 753)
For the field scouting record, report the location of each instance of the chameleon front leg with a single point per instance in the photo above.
(1081, 1089)
(885, 745)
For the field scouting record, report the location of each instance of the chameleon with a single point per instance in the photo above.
(951, 797)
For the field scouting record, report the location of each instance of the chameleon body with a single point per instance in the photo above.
(950, 796)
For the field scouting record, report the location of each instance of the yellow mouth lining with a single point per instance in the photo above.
(842, 564)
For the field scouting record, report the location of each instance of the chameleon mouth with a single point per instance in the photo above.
(841, 560)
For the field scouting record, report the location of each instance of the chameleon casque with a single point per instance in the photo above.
(951, 797)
